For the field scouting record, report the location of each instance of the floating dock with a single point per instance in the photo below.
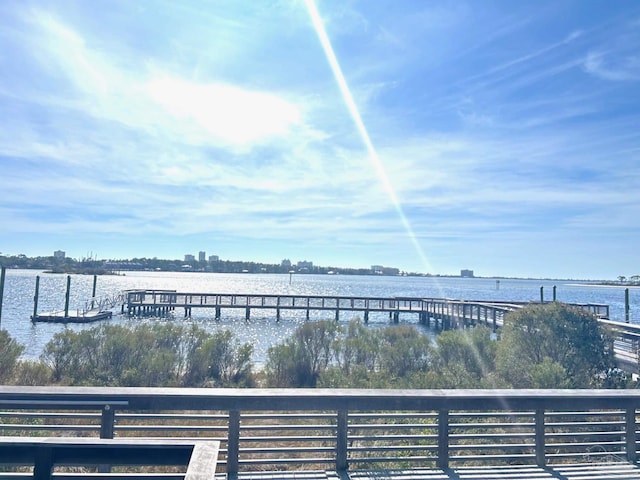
(71, 317)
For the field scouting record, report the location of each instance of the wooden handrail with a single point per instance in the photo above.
(337, 425)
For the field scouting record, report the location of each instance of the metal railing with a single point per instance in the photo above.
(311, 429)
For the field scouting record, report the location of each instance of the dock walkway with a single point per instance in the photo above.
(443, 313)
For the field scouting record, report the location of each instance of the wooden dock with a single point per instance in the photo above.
(441, 313)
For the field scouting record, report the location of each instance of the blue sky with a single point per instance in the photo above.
(498, 136)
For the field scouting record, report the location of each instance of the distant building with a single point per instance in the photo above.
(214, 258)
(189, 258)
(60, 254)
(286, 263)
(202, 256)
(466, 273)
(380, 270)
(304, 266)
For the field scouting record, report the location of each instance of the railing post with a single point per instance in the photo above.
(342, 441)
(541, 458)
(107, 424)
(630, 432)
(443, 439)
(233, 444)
(107, 421)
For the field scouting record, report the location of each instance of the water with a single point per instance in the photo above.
(262, 330)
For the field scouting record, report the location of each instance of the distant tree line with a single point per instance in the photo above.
(540, 346)
(93, 266)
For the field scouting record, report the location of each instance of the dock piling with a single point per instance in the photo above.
(626, 305)
(2, 276)
(35, 298)
(93, 292)
(66, 297)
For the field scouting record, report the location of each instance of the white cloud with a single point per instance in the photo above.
(230, 114)
(603, 65)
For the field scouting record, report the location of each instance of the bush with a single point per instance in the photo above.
(10, 351)
(554, 345)
(160, 354)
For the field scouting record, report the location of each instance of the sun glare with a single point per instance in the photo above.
(374, 159)
(231, 114)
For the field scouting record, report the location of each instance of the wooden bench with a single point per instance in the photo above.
(44, 453)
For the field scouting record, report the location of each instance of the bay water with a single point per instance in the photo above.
(262, 330)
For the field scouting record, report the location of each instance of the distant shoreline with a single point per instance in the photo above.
(604, 285)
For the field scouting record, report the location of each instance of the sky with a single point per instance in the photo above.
(428, 135)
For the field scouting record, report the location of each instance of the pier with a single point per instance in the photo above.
(437, 312)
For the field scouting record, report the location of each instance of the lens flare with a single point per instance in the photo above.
(378, 167)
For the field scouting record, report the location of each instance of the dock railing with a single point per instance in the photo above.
(341, 429)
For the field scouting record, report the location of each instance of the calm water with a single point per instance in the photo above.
(262, 330)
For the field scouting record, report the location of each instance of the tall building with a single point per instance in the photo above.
(304, 266)
(61, 254)
(214, 258)
(466, 273)
(202, 256)
(286, 263)
(189, 258)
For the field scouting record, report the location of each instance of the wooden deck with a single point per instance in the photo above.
(613, 471)
(327, 434)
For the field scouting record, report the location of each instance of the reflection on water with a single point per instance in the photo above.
(262, 330)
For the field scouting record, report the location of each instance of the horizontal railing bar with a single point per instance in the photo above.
(295, 416)
(583, 445)
(266, 451)
(598, 413)
(405, 448)
(584, 424)
(422, 458)
(392, 437)
(582, 434)
(286, 427)
(19, 426)
(357, 415)
(22, 414)
(288, 439)
(171, 428)
(490, 457)
(482, 446)
(509, 414)
(471, 436)
(597, 453)
(401, 426)
(279, 461)
(490, 425)
(169, 416)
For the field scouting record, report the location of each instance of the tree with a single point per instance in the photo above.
(540, 342)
